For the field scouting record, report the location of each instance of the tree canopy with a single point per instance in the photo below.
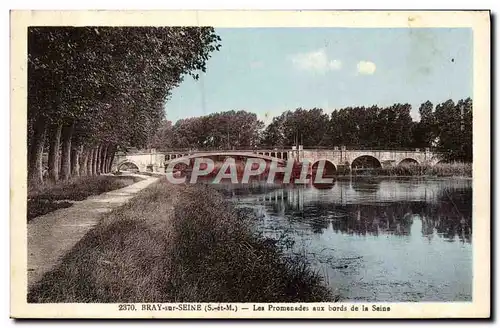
(447, 128)
(99, 88)
(225, 130)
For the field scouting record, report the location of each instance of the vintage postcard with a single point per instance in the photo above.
(250, 164)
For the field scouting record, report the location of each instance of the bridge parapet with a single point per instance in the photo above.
(389, 157)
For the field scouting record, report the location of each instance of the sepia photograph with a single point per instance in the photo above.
(305, 164)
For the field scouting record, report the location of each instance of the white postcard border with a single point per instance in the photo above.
(478, 21)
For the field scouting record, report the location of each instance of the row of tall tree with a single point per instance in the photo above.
(92, 90)
(446, 127)
(226, 130)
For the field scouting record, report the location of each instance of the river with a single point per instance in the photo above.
(374, 240)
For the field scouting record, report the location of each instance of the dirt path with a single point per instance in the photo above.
(52, 235)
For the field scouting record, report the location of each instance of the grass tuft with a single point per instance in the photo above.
(37, 207)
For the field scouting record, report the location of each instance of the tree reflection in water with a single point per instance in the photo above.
(445, 212)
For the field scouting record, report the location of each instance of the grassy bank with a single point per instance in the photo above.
(438, 170)
(178, 244)
(43, 199)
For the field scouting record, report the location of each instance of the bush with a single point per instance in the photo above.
(39, 207)
(80, 188)
(50, 197)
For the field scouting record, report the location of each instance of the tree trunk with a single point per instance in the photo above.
(108, 155)
(90, 164)
(94, 161)
(75, 159)
(35, 154)
(67, 134)
(104, 158)
(111, 156)
(84, 161)
(55, 138)
(98, 159)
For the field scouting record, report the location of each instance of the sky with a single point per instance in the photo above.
(270, 70)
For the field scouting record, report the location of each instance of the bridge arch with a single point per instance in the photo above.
(366, 162)
(329, 171)
(408, 161)
(127, 162)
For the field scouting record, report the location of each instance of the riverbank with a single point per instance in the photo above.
(175, 243)
(43, 199)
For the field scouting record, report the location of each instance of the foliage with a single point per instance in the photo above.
(453, 128)
(372, 127)
(306, 127)
(225, 130)
(109, 83)
(447, 129)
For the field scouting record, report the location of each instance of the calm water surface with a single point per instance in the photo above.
(375, 240)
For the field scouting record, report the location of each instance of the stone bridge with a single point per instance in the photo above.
(157, 162)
